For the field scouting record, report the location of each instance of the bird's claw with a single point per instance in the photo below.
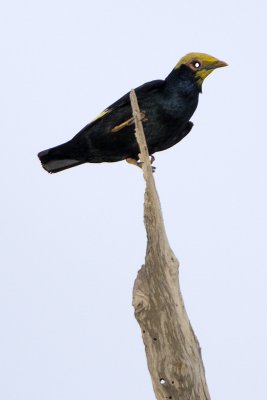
(140, 165)
(152, 159)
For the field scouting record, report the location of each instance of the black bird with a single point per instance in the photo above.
(167, 106)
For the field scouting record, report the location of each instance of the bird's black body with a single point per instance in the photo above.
(167, 106)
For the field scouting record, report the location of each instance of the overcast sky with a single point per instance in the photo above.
(72, 243)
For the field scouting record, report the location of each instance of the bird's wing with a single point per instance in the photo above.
(142, 90)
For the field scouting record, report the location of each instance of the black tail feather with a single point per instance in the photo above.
(58, 158)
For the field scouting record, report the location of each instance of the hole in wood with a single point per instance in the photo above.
(162, 381)
(172, 382)
(155, 339)
(144, 331)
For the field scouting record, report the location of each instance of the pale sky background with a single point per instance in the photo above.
(72, 243)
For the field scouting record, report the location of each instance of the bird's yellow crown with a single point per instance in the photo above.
(202, 64)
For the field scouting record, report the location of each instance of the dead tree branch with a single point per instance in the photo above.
(172, 350)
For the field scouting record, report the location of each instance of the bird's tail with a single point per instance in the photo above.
(59, 158)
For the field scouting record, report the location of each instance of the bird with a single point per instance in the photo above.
(166, 107)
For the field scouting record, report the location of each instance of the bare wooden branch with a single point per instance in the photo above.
(172, 350)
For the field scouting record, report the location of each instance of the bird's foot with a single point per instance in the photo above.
(152, 159)
(139, 163)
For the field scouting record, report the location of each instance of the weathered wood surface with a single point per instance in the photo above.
(172, 349)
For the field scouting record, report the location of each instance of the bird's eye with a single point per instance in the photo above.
(196, 64)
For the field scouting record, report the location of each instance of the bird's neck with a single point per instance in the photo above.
(183, 79)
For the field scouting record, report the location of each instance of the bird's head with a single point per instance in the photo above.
(201, 64)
